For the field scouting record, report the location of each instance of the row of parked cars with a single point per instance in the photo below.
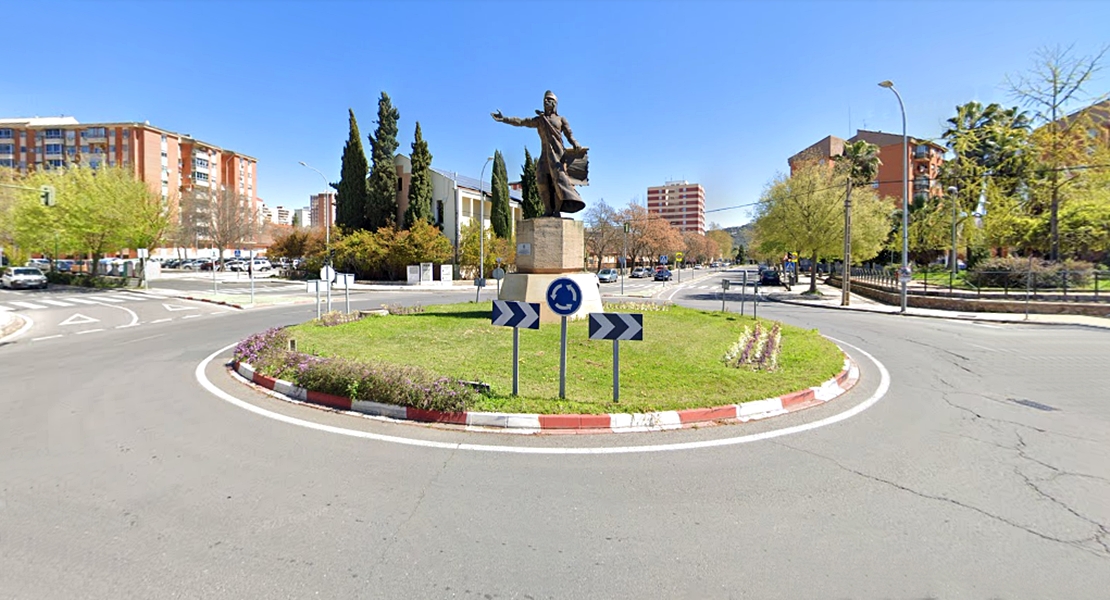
(258, 265)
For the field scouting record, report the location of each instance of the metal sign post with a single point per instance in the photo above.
(516, 315)
(314, 285)
(724, 292)
(743, 291)
(564, 298)
(348, 279)
(616, 327)
(250, 272)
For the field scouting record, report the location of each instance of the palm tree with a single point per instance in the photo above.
(860, 163)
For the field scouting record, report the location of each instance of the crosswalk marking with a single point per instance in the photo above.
(25, 304)
(82, 301)
(4, 308)
(54, 302)
(135, 296)
(107, 299)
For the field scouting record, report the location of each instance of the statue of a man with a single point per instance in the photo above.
(558, 169)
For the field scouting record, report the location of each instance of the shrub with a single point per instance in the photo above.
(1014, 272)
(757, 349)
(335, 317)
(268, 353)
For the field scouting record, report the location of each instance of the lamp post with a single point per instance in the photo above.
(954, 262)
(903, 275)
(327, 230)
(481, 231)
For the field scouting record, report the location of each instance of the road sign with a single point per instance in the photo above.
(327, 273)
(498, 273)
(564, 297)
(509, 313)
(663, 259)
(46, 194)
(725, 283)
(905, 275)
(678, 255)
(238, 253)
(616, 326)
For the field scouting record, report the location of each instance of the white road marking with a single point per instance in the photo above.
(133, 296)
(88, 331)
(177, 307)
(191, 316)
(55, 302)
(134, 316)
(83, 301)
(106, 299)
(25, 304)
(160, 320)
(78, 319)
(126, 326)
(46, 337)
(6, 308)
(884, 385)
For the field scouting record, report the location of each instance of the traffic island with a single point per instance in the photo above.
(693, 368)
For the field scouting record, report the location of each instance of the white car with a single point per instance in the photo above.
(23, 277)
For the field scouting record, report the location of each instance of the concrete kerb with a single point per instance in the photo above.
(563, 424)
(12, 325)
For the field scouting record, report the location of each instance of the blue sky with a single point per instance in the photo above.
(718, 93)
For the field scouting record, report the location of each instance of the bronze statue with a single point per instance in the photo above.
(558, 169)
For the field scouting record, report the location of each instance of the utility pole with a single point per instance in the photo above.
(846, 270)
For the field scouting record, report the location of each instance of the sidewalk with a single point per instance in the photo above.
(830, 298)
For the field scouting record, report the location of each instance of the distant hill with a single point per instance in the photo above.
(742, 235)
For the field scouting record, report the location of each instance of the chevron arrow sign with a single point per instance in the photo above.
(516, 314)
(616, 326)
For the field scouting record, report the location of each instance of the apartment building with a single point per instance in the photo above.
(303, 217)
(924, 159)
(321, 208)
(170, 163)
(681, 203)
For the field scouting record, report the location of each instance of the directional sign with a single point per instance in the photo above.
(616, 326)
(498, 273)
(78, 319)
(516, 314)
(564, 297)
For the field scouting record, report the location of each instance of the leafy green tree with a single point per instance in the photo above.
(500, 216)
(532, 205)
(1056, 83)
(353, 194)
(420, 186)
(803, 213)
(382, 206)
(723, 239)
(469, 250)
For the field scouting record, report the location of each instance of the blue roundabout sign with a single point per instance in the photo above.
(564, 297)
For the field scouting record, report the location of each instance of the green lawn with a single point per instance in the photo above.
(678, 365)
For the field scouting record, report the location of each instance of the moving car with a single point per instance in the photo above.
(639, 272)
(607, 275)
(770, 277)
(23, 277)
(662, 275)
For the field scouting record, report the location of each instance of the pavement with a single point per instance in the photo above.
(829, 297)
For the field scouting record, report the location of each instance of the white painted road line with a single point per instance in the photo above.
(160, 320)
(55, 302)
(6, 308)
(88, 331)
(191, 316)
(106, 299)
(126, 326)
(83, 301)
(884, 386)
(134, 296)
(46, 337)
(25, 304)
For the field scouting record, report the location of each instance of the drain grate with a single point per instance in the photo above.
(1032, 404)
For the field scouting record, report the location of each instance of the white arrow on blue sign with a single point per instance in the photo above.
(616, 326)
(516, 314)
(564, 297)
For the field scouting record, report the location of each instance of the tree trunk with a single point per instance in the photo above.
(813, 274)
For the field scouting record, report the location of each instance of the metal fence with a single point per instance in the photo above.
(1050, 285)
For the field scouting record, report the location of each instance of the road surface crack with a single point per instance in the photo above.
(1076, 543)
(415, 508)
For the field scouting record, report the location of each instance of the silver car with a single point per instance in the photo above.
(23, 277)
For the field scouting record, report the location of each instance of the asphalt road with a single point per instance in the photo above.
(981, 472)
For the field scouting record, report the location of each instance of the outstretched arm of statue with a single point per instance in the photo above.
(516, 121)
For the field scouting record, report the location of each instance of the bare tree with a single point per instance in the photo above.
(229, 219)
(1054, 84)
(604, 235)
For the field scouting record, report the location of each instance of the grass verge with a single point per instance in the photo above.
(680, 363)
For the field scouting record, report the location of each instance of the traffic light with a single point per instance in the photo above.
(46, 193)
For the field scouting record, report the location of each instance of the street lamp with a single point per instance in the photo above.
(903, 276)
(481, 230)
(327, 231)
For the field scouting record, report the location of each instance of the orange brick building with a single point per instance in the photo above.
(170, 163)
(681, 203)
(924, 159)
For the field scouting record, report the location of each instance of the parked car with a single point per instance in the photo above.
(42, 264)
(236, 265)
(23, 277)
(662, 275)
(607, 275)
(639, 272)
(770, 277)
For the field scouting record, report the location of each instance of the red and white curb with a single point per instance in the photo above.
(533, 423)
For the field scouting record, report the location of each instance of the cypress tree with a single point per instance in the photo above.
(382, 206)
(500, 217)
(352, 193)
(532, 205)
(420, 186)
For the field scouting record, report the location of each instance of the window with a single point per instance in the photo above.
(112, 149)
(53, 148)
(5, 162)
(53, 163)
(52, 134)
(201, 176)
(200, 162)
(5, 148)
(5, 134)
(95, 132)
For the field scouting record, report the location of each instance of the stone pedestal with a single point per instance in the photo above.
(532, 287)
(550, 245)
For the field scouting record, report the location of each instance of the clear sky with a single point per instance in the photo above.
(718, 93)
